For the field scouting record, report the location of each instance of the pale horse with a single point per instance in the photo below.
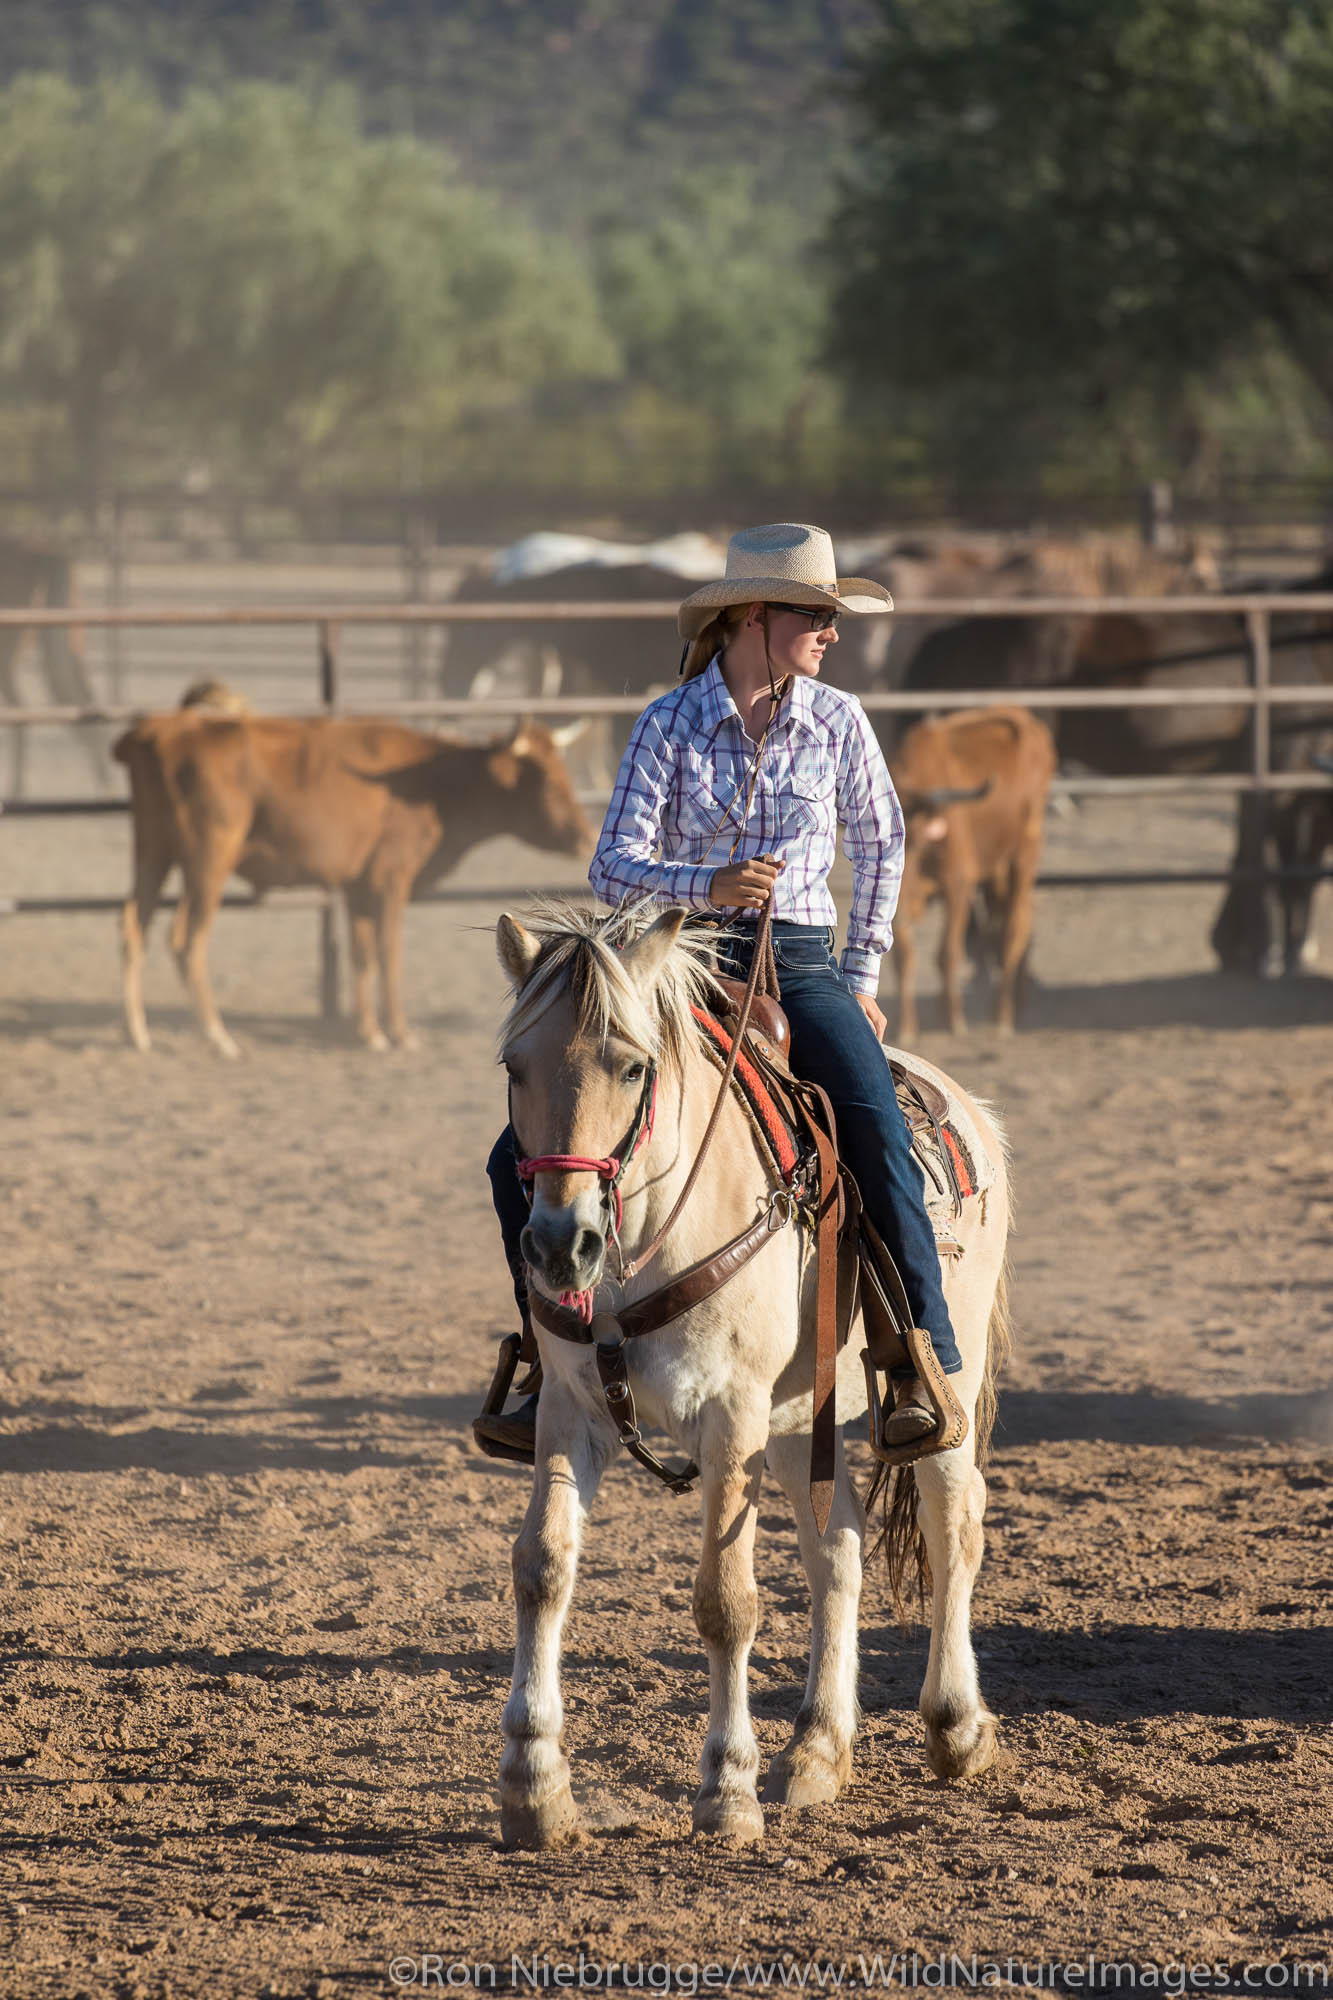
(599, 1000)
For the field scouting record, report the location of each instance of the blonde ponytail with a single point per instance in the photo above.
(714, 639)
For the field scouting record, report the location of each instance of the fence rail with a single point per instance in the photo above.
(461, 613)
(1257, 608)
(1261, 697)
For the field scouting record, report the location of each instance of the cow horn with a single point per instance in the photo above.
(940, 796)
(568, 733)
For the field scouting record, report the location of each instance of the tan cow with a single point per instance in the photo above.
(375, 810)
(973, 789)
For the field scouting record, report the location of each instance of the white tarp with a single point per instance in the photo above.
(695, 558)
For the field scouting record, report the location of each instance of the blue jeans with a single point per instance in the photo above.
(834, 1045)
(511, 1205)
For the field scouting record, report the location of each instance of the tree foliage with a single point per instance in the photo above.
(257, 272)
(591, 248)
(717, 305)
(549, 101)
(1074, 205)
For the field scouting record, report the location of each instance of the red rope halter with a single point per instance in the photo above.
(608, 1171)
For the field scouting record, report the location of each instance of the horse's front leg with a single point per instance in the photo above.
(536, 1805)
(817, 1762)
(960, 1729)
(726, 1606)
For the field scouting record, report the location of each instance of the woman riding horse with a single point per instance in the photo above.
(732, 790)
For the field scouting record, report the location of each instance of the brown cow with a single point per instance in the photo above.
(375, 810)
(973, 789)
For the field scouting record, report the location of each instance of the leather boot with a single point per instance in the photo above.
(913, 1418)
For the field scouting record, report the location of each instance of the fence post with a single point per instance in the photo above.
(116, 594)
(330, 646)
(1261, 676)
(1242, 934)
(330, 693)
(416, 589)
(1157, 516)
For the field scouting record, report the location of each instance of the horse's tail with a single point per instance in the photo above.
(900, 1538)
(894, 1486)
(999, 1346)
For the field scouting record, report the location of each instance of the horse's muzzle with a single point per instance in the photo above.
(563, 1249)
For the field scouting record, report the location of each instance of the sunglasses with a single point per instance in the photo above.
(823, 618)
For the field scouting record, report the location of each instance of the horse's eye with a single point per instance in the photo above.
(635, 1073)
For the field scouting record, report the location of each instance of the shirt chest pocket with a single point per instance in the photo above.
(712, 796)
(806, 802)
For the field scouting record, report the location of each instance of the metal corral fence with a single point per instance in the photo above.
(1260, 696)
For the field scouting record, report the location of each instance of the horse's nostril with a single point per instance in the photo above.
(563, 1250)
(589, 1247)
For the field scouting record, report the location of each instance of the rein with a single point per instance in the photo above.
(574, 1318)
(763, 977)
(762, 968)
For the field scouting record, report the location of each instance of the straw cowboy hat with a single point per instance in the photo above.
(787, 563)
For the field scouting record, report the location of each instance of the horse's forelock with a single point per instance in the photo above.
(581, 955)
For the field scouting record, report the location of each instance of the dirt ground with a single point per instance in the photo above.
(254, 1604)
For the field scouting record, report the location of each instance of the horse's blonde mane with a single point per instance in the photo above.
(580, 954)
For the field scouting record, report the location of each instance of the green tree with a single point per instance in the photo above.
(718, 308)
(1085, 208)
(256, 273)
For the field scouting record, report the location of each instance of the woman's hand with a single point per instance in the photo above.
(869, 1007)
(744, 885)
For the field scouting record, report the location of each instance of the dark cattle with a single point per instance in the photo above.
(878, 654)
(973, 789)
(570, 655)
(1302, 833)
(1143, 651)
(873, 653)
(375, 810)
(596, 656)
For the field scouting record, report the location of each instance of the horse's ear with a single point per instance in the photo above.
(518, 951)
(644, 959)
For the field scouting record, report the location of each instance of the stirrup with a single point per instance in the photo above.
(497, 1434)
(950, 1416)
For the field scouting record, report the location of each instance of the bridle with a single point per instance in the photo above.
(609, 1171)
(574, 1317)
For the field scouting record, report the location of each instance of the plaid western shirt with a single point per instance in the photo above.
(687, 765)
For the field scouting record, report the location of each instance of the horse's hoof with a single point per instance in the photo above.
(962, 1749)
(731, 1818)
(807, 1779)
(552, 1822)
(226, 1047)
